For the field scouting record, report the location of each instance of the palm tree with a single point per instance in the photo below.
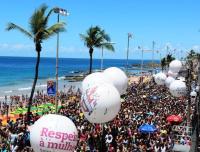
(39, 31)
(169, 58)
(163, 63)
(192, 55)
(96, 37)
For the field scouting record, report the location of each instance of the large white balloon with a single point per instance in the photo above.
(175, 66)
(178, 88)
(118, 78)
(168, 81)
(92, 79)
(53, 133)
(172, 74)
(100, 103)
(160, 78)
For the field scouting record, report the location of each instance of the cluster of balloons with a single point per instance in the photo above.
(100, 103)
(177, 87)
(101, 92)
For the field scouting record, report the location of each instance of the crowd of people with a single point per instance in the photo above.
(144, 103)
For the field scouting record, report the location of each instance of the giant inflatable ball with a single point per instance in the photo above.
(175, 66)
(53, 133)
(160, 78)
(100, 103)
(178, 88)
(118, 78)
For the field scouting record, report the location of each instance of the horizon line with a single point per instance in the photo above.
(75, 58)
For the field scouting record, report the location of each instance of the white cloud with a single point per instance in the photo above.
(73, 49)
(17, 46)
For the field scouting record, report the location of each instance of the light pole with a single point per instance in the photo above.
(127, 53)
(104, 43)
(141, 66)
(153, 47)
(63, 12)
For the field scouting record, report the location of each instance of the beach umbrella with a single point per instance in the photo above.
(52, 130)
(146, 128)
(19, 109)
(34, 108)
(48, 104)
(41, 106)
(174, 118)
(40, 113)
(24, 111)
(100, 103)
(17, 112)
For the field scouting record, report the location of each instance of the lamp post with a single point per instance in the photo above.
(153, 47)
(62, 12)
(127, 53)
(141, 66)
(104, 43)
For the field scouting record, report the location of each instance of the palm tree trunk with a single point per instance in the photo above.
(34, 82)
(91, 51)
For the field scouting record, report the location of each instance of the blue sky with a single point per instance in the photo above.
(175, 23)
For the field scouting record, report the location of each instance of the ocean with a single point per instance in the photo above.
(17, 73)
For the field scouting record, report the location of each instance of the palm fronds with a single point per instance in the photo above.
(12, 26)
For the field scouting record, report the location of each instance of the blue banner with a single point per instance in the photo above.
(51, 88)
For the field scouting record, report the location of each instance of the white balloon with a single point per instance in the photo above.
(92, 79)
(175, 66)
(168, 81)
(178, 88)
(160, 78)
(193, 93)
(100, 103)
(172, 74)
(118, 78)
(53, 133)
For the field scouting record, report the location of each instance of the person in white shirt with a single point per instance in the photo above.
(163, 148)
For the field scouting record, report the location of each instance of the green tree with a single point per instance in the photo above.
(95, 37)
(192, 55)
(163, 63)
(39, 31)
(169, 58)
